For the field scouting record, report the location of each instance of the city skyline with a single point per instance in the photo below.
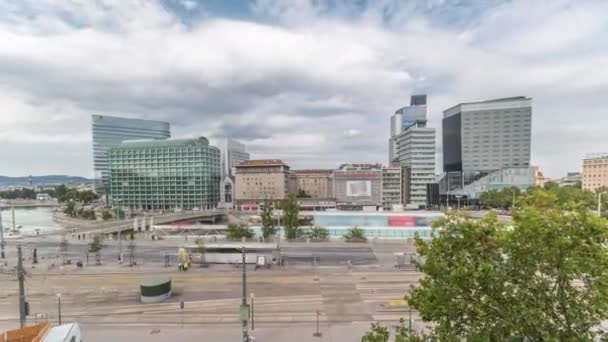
(317, 109)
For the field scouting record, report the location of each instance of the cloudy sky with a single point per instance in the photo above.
(310, 81)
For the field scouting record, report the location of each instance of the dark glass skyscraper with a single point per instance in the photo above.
(482, 137)
(110, 131)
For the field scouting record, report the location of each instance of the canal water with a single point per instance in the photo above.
(31, 220)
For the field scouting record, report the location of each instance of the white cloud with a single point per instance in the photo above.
(301, 77)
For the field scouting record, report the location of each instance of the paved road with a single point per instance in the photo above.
(283, 298)
(146, 252)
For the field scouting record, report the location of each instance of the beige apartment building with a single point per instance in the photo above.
(595, 171)
(257, 180)
(318, 184)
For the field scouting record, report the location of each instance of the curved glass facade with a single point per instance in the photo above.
(165, 174)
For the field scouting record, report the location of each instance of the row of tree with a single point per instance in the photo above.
(541, 277)
(63, 194)
(18, 194)
(507, 197)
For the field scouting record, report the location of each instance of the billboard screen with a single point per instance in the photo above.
(359, 188)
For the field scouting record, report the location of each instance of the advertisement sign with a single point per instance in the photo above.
(402, 221)
(358, 188)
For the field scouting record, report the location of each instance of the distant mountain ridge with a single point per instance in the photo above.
(42, 180)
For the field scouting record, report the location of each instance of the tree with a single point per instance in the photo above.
(317, 233)
(268, 227)
(544, 277)
(106, 215)
(86, 196)
(70, 209)
(377, 333)
(131, 247)
(302, 194)
(290, 218)
(63, 249)
(238, 231)
(96, 245)
(355, 234)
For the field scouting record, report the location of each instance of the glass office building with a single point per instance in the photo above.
(165, 174)
(110, 131)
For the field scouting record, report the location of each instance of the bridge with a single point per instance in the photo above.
(143, 223)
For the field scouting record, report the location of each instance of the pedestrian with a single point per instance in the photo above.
(78, 236)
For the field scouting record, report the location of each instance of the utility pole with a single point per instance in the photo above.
(1, 235)
(59, 307)
(244, 302)
(20, 277)
(599, 204)
(13, 209)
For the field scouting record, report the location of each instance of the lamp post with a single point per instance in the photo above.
(244, 309)
(59, 307)
(1, 234)
(252, 319)
(599, 204)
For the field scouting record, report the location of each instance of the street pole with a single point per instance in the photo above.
(599, 204)
(410, 320)
(244, 301)
(252, 319)
(59, 306)
(13, 209)
(513, 205)
(317, 332)
(20, 277)
(1, 235)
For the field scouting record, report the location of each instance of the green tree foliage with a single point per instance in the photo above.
(355, 234)
(106, 215)
(317, 233)
(96, 245)
(63, 194)
(70, 209)
(500, 198)
(290, 217)
(544, 277)
(238, 231)
(503, 199)
(302, 194)
(18, 194)
(268, 226)
(377, 333)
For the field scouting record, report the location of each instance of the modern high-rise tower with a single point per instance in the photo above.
(412, 147)
(482, 137)
(110, 131)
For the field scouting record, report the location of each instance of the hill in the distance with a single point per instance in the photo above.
(42, 180)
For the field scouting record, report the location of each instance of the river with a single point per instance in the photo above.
(31, 220)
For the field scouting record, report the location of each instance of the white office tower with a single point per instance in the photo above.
(415, 152)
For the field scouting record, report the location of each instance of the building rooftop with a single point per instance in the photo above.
(131, 144)
(596, 156)
(360, 166)
(500, 103)
(262, 162)
(312, 172)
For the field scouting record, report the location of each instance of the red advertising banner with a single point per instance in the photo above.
(402, 221)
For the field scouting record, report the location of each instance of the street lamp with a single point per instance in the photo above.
(252, 322)
(599, 203)
(59, 307)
